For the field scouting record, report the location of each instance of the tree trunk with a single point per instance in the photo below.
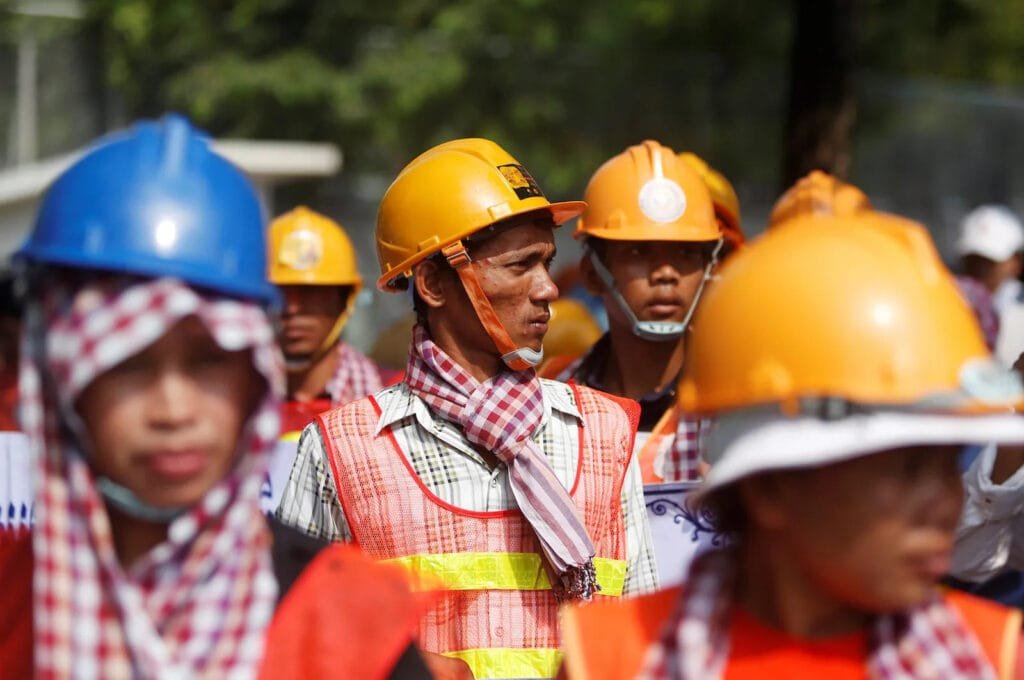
(822, 102)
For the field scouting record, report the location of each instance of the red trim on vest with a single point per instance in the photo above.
(335, 462)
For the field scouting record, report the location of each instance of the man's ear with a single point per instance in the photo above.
(588, 275)
(431, 283)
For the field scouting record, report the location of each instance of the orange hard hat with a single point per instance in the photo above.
(647, 194)
(723, 198)
(857, 308)
(818, 193)
(571, 330)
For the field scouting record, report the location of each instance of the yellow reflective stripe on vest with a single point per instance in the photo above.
(507, 662)
(499, 571)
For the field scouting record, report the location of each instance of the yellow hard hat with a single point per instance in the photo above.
(818, 193)
(571, 330)
(856, 309)
(647, 194)
(309, 249)
(723, 197)
(449, 193)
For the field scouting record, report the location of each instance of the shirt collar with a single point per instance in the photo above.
(398, 403)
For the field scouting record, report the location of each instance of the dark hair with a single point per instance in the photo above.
(10, 305)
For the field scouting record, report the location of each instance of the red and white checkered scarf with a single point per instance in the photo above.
(356, 376)
(500, 415)
(929, 642)
(683, 462)
(198, 604)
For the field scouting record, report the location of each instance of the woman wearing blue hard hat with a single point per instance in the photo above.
(150, 393)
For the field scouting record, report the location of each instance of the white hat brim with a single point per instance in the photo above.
(743, 444)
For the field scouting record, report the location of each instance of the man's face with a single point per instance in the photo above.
(309, 314)
(874, 533)
(658, 279)
(513, 269)
(165, 423)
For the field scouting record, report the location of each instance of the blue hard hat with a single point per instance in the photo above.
(156, 200)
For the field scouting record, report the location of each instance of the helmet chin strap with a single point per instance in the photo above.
(126, 501)
(516, 358)
(655, 331)
(300, 364)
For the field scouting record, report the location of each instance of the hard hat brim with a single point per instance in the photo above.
(564, 211)
(560, 213)
(760, 440)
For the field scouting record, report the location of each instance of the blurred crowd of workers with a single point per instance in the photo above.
(798, 456)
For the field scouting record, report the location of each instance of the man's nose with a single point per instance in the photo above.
(665, 272)
(171, 399)
(545, 289)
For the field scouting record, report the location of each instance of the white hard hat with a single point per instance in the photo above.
(749, 442)
(991, 231)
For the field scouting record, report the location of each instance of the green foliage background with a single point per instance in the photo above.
(563, 84)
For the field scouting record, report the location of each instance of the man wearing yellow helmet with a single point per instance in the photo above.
(840, 409)
(313, 264)
(512, 492)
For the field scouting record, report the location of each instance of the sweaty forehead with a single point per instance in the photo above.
(516, 235)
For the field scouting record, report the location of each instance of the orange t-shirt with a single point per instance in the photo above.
(757, 651)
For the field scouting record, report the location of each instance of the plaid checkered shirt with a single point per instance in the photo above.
(450, 467)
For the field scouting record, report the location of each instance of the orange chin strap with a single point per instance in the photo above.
(516, 358)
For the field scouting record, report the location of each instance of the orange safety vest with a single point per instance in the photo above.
(637, 623)
(497, 611)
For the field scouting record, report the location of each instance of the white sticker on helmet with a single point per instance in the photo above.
(301, 250)
(662, 200)
(989, 382)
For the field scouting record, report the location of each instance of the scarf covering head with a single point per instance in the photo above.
(929, 642)
(500, 415)
(196, 605)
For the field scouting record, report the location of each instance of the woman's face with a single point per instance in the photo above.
(166, 422)
(874, 533)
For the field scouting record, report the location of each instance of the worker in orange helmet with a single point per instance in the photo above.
(818, 193)
(650, 244)
(313, 264)
(840, 411)
(514, 492)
